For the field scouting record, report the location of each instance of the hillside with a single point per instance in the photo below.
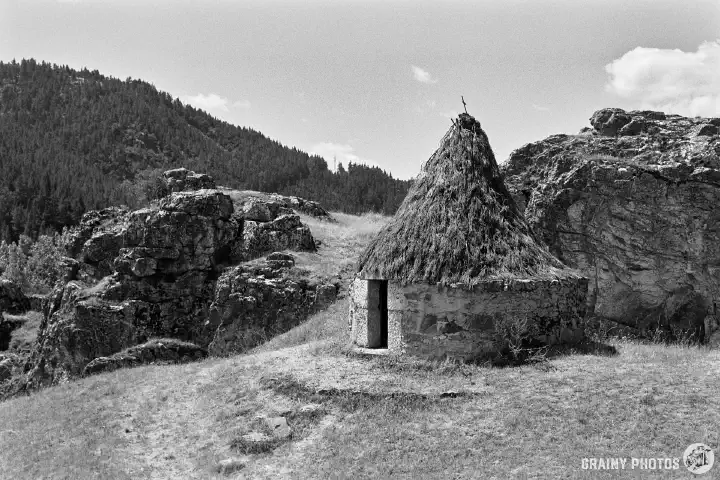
(73, 141)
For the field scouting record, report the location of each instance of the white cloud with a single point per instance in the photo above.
(673, 81)
(212, 101)
(344, 154)
(540, 108)
(450, 114)
(422, 76)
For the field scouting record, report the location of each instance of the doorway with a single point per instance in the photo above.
(377, 314)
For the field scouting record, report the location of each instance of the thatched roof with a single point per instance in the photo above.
(458, 223)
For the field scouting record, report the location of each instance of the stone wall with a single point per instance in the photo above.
(436, 321)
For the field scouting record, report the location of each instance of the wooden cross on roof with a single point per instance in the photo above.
(464, 104)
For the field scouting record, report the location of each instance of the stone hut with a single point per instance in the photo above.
(458, 265)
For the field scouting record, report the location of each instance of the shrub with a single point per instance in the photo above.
(511, 333)
(4, 250)
(43, 266)
(14, 269)
(36, 266)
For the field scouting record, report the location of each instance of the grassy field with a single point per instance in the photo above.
(353, 416)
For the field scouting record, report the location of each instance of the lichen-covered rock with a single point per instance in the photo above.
(79, 327)
(285, 232)
(265, 207)
(609, 121)
(166, 350)
(635, 127)
(253, 304)
(277, 260)
(12, 298)
(261, 211)
(308, 207)
(182, 179)
(92, 222)
(637, 214)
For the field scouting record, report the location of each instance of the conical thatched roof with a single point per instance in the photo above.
(458, 223)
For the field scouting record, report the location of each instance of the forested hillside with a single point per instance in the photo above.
(71, 141)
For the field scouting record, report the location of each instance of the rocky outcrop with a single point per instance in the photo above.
(257, 301)
(152, 273)
(260, 211)
(254, 204)
(159, 351)
(632, 203)
(158, 267)
(12, 298)
(182, 179)
(308, 207)
(283, 232)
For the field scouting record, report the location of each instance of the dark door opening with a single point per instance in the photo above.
(377, 314)
(383, 314)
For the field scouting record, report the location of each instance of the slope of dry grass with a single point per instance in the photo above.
(379, 418)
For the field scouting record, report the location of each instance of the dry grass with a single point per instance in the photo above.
(341, 242)
(329, 326)
(378, 418)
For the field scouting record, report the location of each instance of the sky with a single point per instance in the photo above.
(376, 82)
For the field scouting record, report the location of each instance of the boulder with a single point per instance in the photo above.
(609, 121)
(230, 465)
(278, 426)
(12, 298)
(636, 214)
(635, 127)
(254, 303)
(262, 211)
(705, 130)
(92, 222)
(286, 232)
(277, 260)
(182, 179)
(307, 207)
(155, 351)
